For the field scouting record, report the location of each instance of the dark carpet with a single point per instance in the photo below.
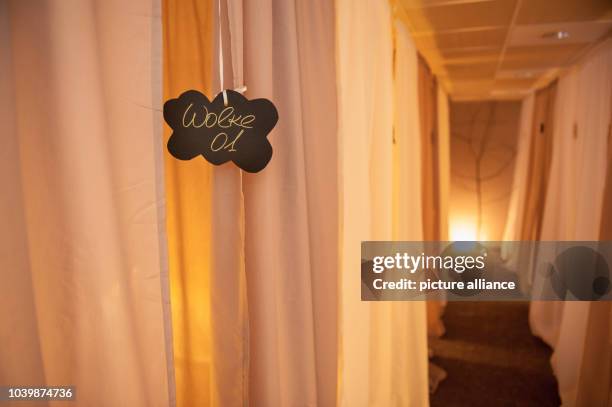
(491, 358)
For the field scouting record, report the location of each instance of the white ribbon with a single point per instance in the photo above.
(240, 89)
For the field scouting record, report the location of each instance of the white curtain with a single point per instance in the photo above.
(437, 300)
(517, 257)
(280, 226)
(559, 217)
(83, 257)
(384, 345)
(291, 208)
(574, 208)
(517, 197)
(444, 160)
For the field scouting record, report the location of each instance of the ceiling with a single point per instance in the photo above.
(501, 49)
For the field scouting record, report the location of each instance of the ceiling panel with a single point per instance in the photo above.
(583, 32)
(431, 55)
(482, 49)
(430, 3)
(538, 57)
(479, 38)
(515, 83)
(471, 71)
(554, 11)
(472, 87)
(525, 74)
(470, 55)
(495, 13)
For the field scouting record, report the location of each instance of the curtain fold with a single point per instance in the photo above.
(559, 214)
(407, 325)
(263, 268)
(291, 208)
(443, 114)
(229, 308)
(576, 199)
(516, 207)
(384, 345)
(592, 129)
(428, 117)
(86, 203)
(291, 324)
(595, 384)
(437, 302)
(435, 157)
(575, 205)
(538, 171)
(538, 197)
(188, 64)
(206, 216)
(512, 230)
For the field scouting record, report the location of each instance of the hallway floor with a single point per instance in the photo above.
(491, 358)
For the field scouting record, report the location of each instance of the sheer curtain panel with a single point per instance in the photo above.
(83, 261)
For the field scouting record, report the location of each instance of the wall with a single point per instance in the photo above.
(483, 150)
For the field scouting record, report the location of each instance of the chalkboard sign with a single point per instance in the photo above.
(234, 131)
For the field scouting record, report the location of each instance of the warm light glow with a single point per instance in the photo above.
(465, 230)
(461, 230)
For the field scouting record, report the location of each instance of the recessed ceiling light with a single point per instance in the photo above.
(557, 35)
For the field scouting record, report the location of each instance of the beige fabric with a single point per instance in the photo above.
(384, 349)
(516, 207)
(517, 257)
(84, 288)
(537, 199)
(559, 215)
(428, 109)
(406, 130)
(592, 122)
(437, 300)
(577, 186)
(291, 207)
(540, 155)
(435, 176)
(579, 332)
(282, 348)
(444, 161)
(229, 307)
(405, 327)
(188, 56)
(595, 385)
